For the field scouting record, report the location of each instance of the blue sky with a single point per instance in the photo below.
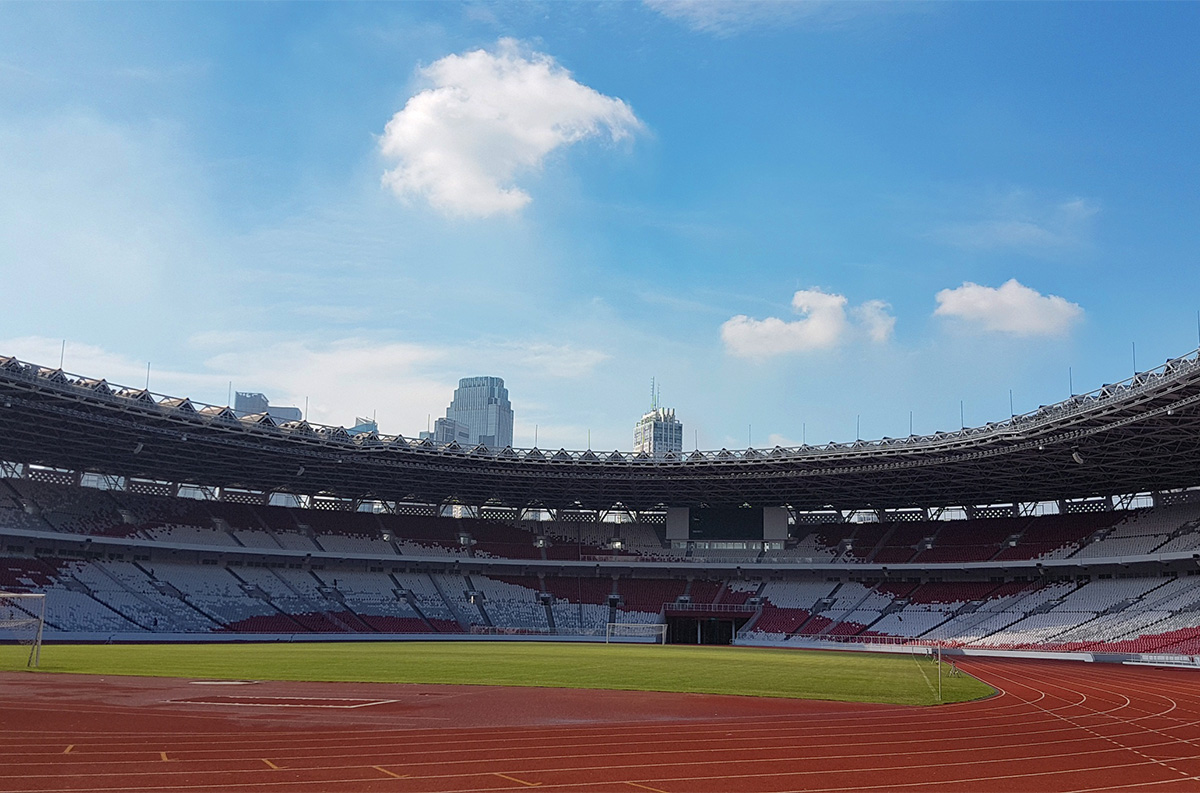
(793, 215)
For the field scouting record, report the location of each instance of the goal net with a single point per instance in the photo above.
(22, 617)
(636, 631)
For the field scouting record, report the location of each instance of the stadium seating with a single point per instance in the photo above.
(329, 571)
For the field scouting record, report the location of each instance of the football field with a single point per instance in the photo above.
(760, 672)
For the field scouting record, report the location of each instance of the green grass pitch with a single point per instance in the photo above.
(760, 672)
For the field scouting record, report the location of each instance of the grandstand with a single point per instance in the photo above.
(142, 516)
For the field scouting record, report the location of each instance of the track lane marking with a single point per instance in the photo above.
(577, 785)
(1131, 785)
(927, 730)
(1074, 721)
(270, 765)
(645, 787)
(1065, 703)
(786, 741)
(389, 773)
(514, 779)
(876, 750)
(688, 764)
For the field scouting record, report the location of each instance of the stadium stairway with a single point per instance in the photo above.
(541, 576)
(82, 588)
(487, 619)
(124, 587)
(332, 593)
(883, 541)
(463, 622)
(290, 618)
(968, 607)
(754, 619)
(383, 532)
(1013, 607)
(414, 603)
(169, 589)
(838, 621)
(1098, 617)
(1016, 537)
(814, 614)
(315, 607)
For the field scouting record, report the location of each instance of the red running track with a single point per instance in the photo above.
(1055, 726)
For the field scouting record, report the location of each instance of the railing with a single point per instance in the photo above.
(748, 559)
(496, 630)
(727, 608)
(891, 641)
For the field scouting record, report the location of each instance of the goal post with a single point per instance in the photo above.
(22, 618)
(656, 632)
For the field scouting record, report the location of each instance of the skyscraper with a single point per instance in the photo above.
(658, 431)
(481, 407)
(248, 404)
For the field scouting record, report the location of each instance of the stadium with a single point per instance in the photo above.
(1052, 556)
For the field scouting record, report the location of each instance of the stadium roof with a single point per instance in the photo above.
(1142, 434)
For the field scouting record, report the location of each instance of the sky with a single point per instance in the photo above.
(807, 221)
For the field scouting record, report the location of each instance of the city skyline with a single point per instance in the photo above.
(822, 220)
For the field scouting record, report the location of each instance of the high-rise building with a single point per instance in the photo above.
(479, 413)
(446, 430)
(363, 425)
(658, 431)
(249, 404)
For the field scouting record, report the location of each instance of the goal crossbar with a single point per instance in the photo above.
(22, 619)
(656, 631)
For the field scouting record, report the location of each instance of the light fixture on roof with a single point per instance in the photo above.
(300, 471)
(1077, 457)
(138, 449)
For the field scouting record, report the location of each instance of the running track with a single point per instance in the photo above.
(1056, 726)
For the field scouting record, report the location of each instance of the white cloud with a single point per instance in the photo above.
(487, 117)
(730, 17)
(1013, 308)
(775, 439)
(91, 360)
(874, 318)
(1019, 222)
(404, 382)
(553, 360)
(823, 324)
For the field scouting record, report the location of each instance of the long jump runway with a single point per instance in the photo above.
(1055, 726)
